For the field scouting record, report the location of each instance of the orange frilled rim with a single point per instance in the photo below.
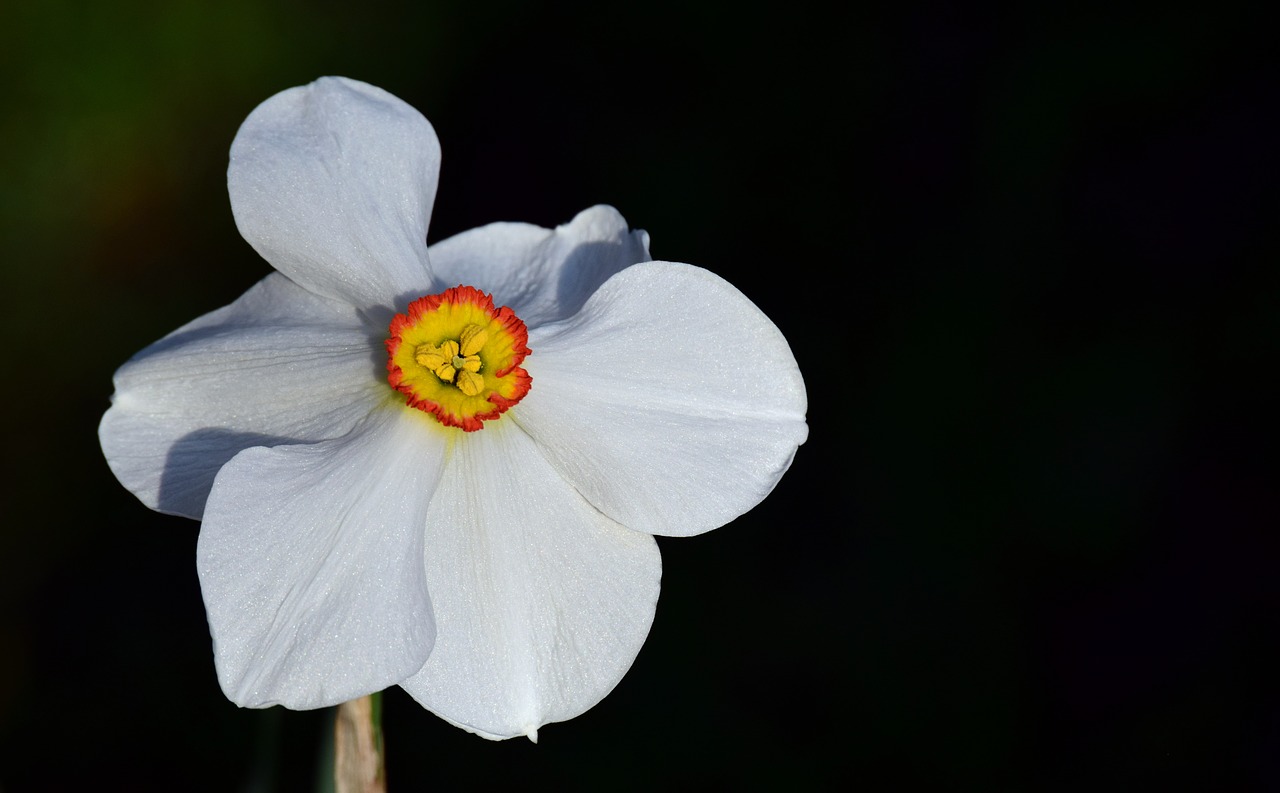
(432, 321)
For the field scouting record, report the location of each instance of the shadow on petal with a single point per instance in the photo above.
(195, 459)
(587, 268)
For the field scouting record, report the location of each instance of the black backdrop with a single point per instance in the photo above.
(1025, 258)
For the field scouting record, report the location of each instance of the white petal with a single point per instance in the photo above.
(541, 602)
(671, 402)
(333, 184)
(310, 561)
(544, 275)
(277, 366)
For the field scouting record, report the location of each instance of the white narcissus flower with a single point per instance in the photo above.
(393, 488)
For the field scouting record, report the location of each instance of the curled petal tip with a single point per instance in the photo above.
(532, 734)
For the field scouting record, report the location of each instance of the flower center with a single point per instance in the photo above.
(457, 362)
(457, 357)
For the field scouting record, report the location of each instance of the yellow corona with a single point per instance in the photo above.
(455, 356)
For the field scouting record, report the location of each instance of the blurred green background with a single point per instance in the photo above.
(1027, 263)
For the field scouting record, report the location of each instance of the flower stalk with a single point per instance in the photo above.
(359, 762)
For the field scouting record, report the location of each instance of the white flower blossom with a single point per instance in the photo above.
(502, 570)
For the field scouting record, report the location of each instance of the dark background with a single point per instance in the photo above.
(1026, 260)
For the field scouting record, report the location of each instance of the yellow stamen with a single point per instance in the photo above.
(456, 362)
(431, 356)
(473, 339)
(469, 383)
